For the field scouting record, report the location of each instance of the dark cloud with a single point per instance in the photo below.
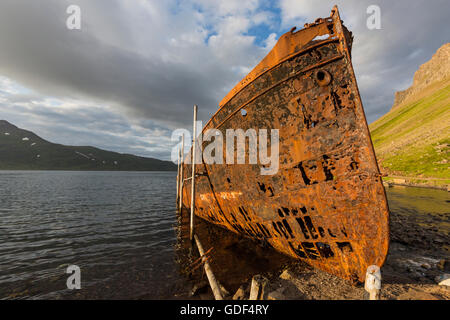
(40, 52)
(137, 67)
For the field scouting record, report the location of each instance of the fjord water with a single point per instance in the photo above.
(120, 229)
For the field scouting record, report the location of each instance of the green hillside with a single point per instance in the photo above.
(413, 139)
(24, 150)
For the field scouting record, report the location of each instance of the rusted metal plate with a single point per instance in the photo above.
(326, 204)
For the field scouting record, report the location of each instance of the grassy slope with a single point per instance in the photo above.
(413, 139)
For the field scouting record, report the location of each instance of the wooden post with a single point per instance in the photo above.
(211, 278)
(193, 172)
(178, 178)
(181, 174)
(373, 282)
(257, 288)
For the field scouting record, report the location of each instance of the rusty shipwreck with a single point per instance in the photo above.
(326, 205)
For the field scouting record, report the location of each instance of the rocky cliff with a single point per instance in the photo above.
(413, 138)
(435, 70)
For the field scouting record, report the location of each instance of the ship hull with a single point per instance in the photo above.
(326, 204)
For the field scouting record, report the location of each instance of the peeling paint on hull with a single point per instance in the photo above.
(326, 205)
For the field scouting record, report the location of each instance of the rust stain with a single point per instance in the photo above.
(326, 205)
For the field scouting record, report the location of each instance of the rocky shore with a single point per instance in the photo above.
(418, 260)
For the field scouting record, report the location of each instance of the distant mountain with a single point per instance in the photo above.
(23, 150)
(413, 139)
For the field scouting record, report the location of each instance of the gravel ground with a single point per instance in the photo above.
(419, 252)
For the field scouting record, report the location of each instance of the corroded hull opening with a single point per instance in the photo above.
(326, 205)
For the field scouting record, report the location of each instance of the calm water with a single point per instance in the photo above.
(118, 227)
(426, 205)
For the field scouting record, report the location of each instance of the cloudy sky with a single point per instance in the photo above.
(130, 76)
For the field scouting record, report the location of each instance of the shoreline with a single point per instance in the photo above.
(418, 260)
(390, 181)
